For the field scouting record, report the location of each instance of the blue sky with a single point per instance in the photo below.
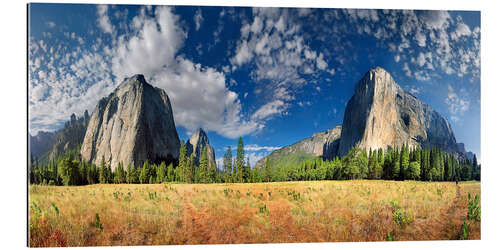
(271, 75)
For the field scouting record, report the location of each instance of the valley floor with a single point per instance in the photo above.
(315, 211)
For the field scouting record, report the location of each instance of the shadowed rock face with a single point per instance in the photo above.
(382, 115)
(195, 145)
(133, 124)
(321, 144)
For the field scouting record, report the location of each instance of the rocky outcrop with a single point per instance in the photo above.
(50, 145)
(196, 143)
(41, 143)
(322, 144)
(133, 124)
(381, 114)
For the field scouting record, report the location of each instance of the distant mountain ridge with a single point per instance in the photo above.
(50, 145)
(321, 144)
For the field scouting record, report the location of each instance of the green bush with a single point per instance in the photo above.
(401, 217)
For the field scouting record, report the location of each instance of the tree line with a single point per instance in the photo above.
(403, 163)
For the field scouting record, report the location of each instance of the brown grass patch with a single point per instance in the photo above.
(319, 211)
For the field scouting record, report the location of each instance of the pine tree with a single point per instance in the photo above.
(120, 174)
(405, 162)
(170, 173)
(228, 164)
(102, 171)
(182, 161)
(247, 171)
(190, 168)
(267, 170)
(371, 164)
(161, 173)
(388, 167)
(413, 171)
(240, 159)
(204, 166)
(129, 174)
(235, 171)
(143, 174)
(396, 161)
(475, 169)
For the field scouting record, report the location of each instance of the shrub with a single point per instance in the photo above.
(464, 231)
(474, 208)
(97, 221)
(401, 217)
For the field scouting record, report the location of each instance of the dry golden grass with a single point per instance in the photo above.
(317, 211)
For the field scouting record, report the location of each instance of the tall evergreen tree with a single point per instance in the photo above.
(183, 157)
(240, 159)
(267, 170)
(247, 171)
(102, 171)
(161, 173)
(228, 164)
(204, 166)
(120, 174)
(405, 162)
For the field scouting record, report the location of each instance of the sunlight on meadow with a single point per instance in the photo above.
(316, 211)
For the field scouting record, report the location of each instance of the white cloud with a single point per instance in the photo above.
(198, 94)
(51, 24)
(198, 19)
(103, 19)
(280, 58)
(436, 19)
(255, 147)
(461, 30)
(304, 11)
(254, 157)
(397, 58)
(456, 105)
(269, 109)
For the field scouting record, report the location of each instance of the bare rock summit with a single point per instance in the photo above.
(195, 145)
(381, 114)
(133, 124)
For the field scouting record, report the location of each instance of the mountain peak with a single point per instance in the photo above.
(381, 114)
(197, 142)
(137, 122)
(198, 136)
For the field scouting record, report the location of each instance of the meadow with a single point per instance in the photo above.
(279, 212)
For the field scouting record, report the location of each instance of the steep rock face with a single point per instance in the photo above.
(41, 143)
(195, 145)
(49, 145)
(382, 115)
(71, 136)
(322, 144)
(133, 124)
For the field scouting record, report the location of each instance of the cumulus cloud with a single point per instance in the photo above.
(269, 109)
(198, 19)
(198, 94)
(456, 105)
(279, 56)
(103, 19)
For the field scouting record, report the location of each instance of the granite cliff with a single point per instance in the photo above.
(133, 124)
(196, 143)
(381, 114)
